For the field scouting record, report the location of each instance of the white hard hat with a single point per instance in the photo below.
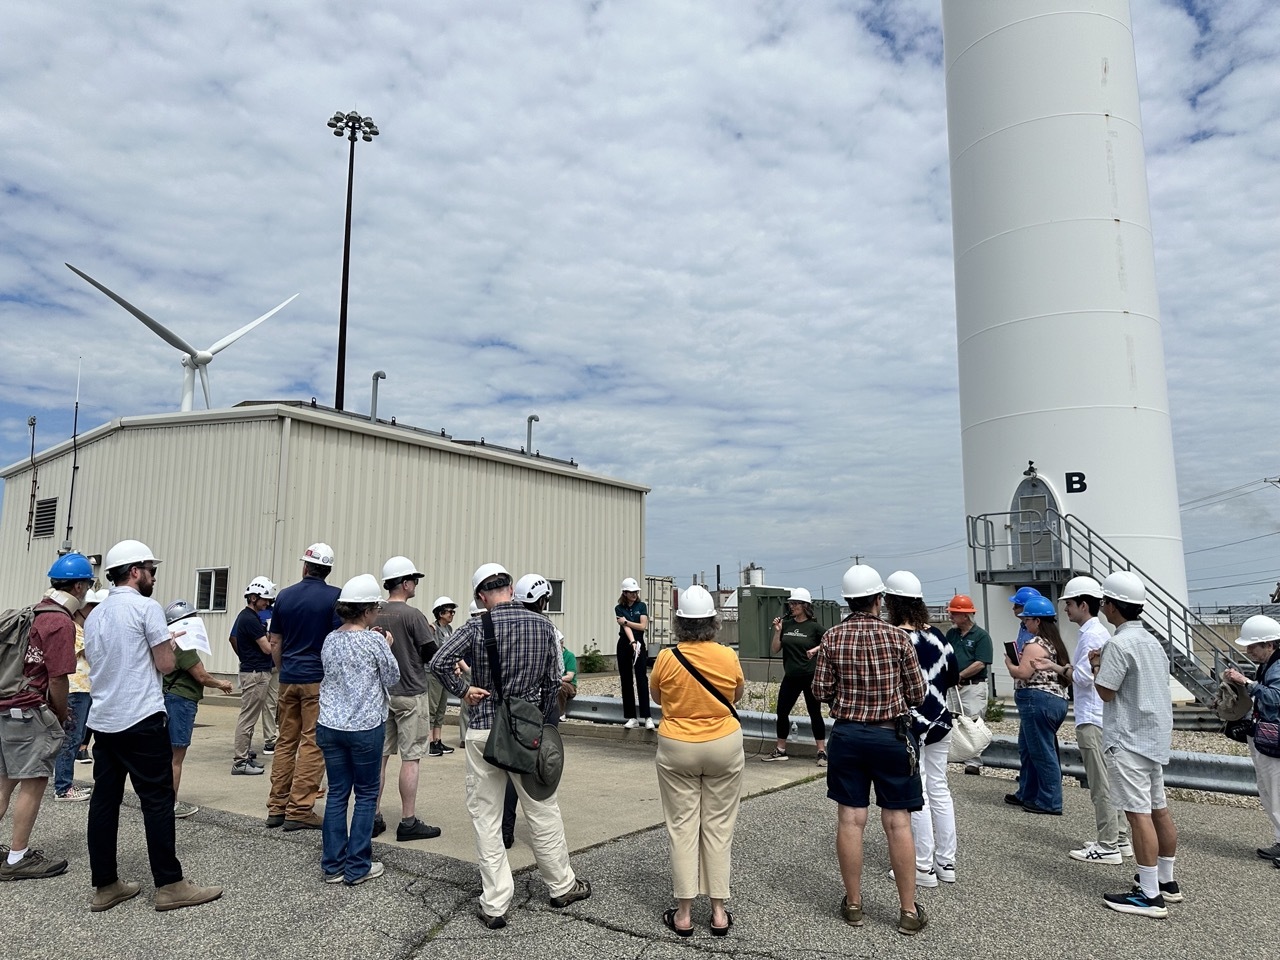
(532, 587)
(475, 610)
(1258, 629)
(178, 610)
(321, 554)
(400, 568)
(1125, 586)
(1081, 587)
(903, 583)
(800, 595)
(861, 580)
(442, 602)
(262, 587)
(95, 596)
(361, 589)
(484, 572)
(696, 604)
(629, 585)
(126, 553)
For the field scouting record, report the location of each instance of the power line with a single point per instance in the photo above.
(1261, 536)
(1213, 496)
(1228, 586)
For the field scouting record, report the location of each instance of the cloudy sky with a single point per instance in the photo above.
(708, 244)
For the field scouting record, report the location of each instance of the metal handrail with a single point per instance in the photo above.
(1184, 635)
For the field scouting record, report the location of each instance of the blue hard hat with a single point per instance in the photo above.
(71, 566)
(1024, 594)
(1039, 606)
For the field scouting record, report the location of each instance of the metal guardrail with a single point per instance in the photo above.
(1213, 772)
(1216, 773)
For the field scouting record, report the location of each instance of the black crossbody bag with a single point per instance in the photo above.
(516, 734)
(704, 681)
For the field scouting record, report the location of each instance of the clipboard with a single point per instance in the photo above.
(1011, 651)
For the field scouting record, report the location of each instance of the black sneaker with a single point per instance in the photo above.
(493, 923)
(275, 820)
(379, 825)
(269, 748)
(417, 831)
(443, 747)
(1138, 903)
(1170, 890)
(436, 749)
(1013, 799)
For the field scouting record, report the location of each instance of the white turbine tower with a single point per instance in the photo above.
(192, 359)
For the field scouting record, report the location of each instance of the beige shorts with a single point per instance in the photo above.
(29, 746)
(408, 727)
(1136, 782)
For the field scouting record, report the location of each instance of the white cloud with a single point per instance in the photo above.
(708, 244)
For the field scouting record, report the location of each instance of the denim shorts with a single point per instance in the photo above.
(182, 719)
(861, 755)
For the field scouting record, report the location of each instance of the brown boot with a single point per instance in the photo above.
(113, 894)
(184, 893)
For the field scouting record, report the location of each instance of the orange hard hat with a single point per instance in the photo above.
(961, 604)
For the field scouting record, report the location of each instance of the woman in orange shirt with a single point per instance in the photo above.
(700, 759)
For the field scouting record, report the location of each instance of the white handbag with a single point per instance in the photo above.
(969, 735)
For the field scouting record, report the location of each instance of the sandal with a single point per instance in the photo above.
(723, 931)
(669, 918)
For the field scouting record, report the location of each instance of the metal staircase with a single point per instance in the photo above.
(1028, 546)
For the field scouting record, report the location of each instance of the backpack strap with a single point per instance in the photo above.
(705, 682)
(491, 648)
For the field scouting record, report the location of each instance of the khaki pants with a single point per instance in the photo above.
(1113, 827)
(269, 708)
(1268, 772)
(701, 786)
(298, 766)
(486, 786)
(255, 690)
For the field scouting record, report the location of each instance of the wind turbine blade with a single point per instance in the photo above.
(204, 382)
(163, 332)
(233, 337)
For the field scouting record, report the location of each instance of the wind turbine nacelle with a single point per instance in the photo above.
(203, 357)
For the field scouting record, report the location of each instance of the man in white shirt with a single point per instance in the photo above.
(1082, 599)
(128, 646)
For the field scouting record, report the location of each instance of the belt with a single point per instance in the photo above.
(970, 683)
(886, 724)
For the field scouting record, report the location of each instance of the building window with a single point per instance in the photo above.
(555, 602)
(45, 521)
(211, 590)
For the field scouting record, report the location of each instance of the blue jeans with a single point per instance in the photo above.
(78, 708)
(1040, 714)
(353, 761)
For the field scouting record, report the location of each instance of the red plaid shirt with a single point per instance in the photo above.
(867, 670)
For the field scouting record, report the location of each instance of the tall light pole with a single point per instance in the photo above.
(353, 126)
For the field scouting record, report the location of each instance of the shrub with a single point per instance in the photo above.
(995, 710)
(592, 660)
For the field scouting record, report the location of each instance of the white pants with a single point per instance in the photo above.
(486, 787)
(1268, 770)
(935, 825)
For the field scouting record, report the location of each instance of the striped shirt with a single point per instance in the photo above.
(867, 670)
(1140, 716)
(528, 655)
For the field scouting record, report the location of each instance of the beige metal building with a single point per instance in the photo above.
(223, 496)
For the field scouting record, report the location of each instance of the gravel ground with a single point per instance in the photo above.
(764, 697)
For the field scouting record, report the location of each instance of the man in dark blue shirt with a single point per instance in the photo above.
(304, 616)
(249, 641)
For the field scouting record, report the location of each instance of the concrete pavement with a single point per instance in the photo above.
(1018, 894)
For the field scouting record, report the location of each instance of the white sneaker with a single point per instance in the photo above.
(631, 724)
(924, 878)
(1126, 849)
(1093, 853)
(946, 872)
(650, 725)
(375, 871)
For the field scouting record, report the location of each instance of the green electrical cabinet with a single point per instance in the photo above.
(757, 608)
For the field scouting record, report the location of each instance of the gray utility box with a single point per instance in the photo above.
(757, 607)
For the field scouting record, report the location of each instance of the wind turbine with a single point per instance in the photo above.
(192, 359)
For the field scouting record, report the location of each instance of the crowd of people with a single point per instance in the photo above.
(362, 676)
